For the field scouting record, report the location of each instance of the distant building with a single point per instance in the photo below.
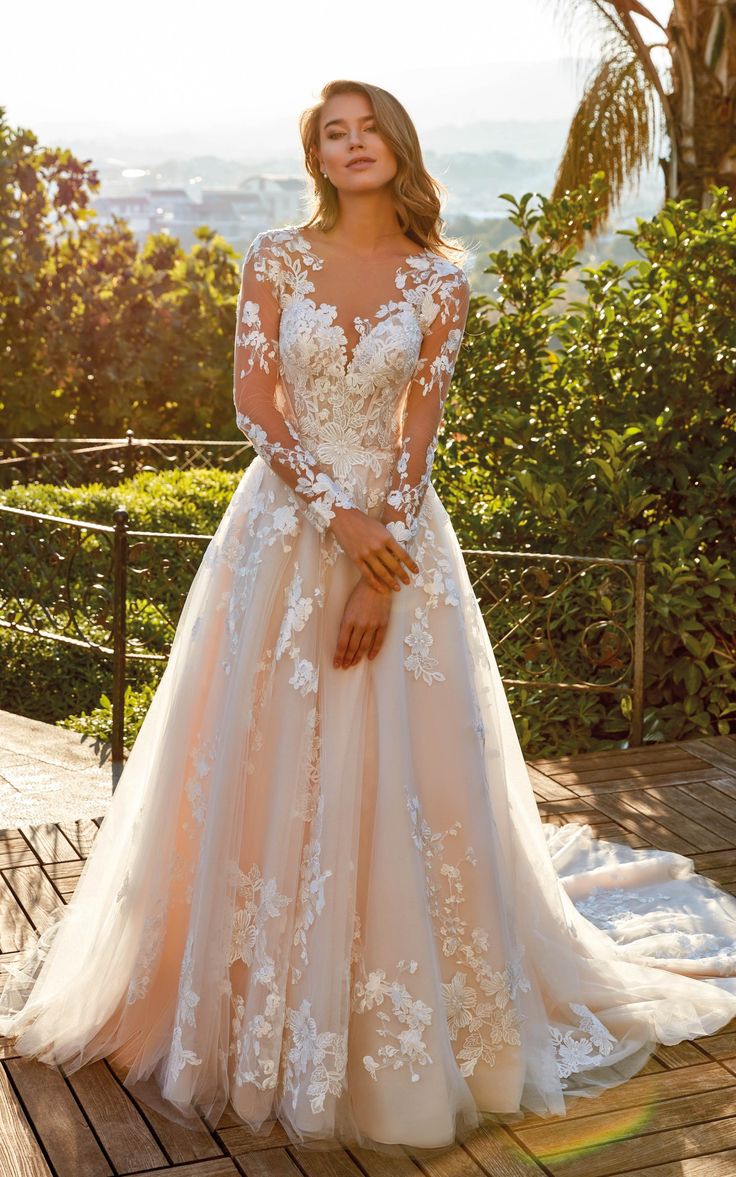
(282, 196)
(260, 202)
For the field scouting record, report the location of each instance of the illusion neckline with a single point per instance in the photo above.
(371, 322)
(424, 252)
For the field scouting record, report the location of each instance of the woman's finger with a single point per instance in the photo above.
(377, 641)
(373, 579)
(355, 639)
(342, 643)
(362, 647)
(401, 554)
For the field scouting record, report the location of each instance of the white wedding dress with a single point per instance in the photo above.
(326, 895)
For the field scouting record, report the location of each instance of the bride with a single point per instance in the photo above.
(322, 891)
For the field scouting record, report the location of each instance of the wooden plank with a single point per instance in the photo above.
(648, 1148)
(718, 751)
(276, 1162)
(682, 1054)
(120, 1128)
(584, 786)
(564, 1136)
(612, 805)
(16, 931)
(709, 858)
(635, 772)
(20, 1153)
(644, 754)
(223, 1167)
(64, 876)
(182, 1144)
(703, 808)
(377, 1164)
(66, 1135)
(722, 1164)
(498, 1154)
(333, 1163)
(722, 875)
(652, 803)
(570, 804)
(35, 894)
(239, 1139)
(80, 834)
(544, 786)
(712, 795)
(643, 1090)
(722, 1046)
(49, 843)
(15, 851)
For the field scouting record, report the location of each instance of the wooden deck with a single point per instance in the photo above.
(676, 1118)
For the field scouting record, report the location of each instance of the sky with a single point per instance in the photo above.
(231, 65)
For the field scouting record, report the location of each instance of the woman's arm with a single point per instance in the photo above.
(424, 408)
(256, 363)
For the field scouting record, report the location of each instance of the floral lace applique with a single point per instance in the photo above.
(254, 1045)
(435, 578)
(202, 761)
(320, 1055)
(588, 1049)
(311, 894)
(148, 955)
(260, 902)
(404, 1047)
(298, 610)
(187, 1002)
(607, 907)
(306, 803)
(480, 1027)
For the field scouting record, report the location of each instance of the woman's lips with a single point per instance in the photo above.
(361, 163)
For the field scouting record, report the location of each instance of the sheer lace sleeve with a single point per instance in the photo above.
(424, 407)
(256, 377)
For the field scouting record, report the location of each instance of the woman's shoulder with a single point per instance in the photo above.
(267, 238)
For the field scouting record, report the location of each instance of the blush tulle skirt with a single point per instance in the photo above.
(327, 897)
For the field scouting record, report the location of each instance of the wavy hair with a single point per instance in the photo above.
(417, 195)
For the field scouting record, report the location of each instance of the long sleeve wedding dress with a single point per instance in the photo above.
(326, 895)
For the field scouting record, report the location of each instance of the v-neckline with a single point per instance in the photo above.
(370, 320)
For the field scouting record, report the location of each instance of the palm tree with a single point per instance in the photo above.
(680, 82)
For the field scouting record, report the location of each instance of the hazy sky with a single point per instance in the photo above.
(171, 67)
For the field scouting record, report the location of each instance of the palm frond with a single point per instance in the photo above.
(642, 10)
(613, 130)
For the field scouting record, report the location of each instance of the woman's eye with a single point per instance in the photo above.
(336, 134)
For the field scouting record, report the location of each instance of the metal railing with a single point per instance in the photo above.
(71, 461)
(557, 620)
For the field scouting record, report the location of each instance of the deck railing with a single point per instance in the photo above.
(558, 622)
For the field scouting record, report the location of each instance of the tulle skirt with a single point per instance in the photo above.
(326, 896)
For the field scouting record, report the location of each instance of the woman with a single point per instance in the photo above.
(322, 890)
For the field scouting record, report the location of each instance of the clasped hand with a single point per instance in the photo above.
(381, 560)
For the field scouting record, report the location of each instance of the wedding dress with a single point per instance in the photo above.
(326, 895)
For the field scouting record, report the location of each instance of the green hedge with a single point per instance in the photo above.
(577, 427)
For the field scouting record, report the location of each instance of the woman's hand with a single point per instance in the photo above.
(371, 546)
(363, 625)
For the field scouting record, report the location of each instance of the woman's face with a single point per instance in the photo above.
(348, 132)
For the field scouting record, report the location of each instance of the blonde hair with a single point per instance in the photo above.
(417, 195)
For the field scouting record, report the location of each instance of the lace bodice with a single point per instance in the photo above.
(352, 426)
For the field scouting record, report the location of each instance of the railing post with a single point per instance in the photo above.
(641, 552)
(119, 596)
(128, 458)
